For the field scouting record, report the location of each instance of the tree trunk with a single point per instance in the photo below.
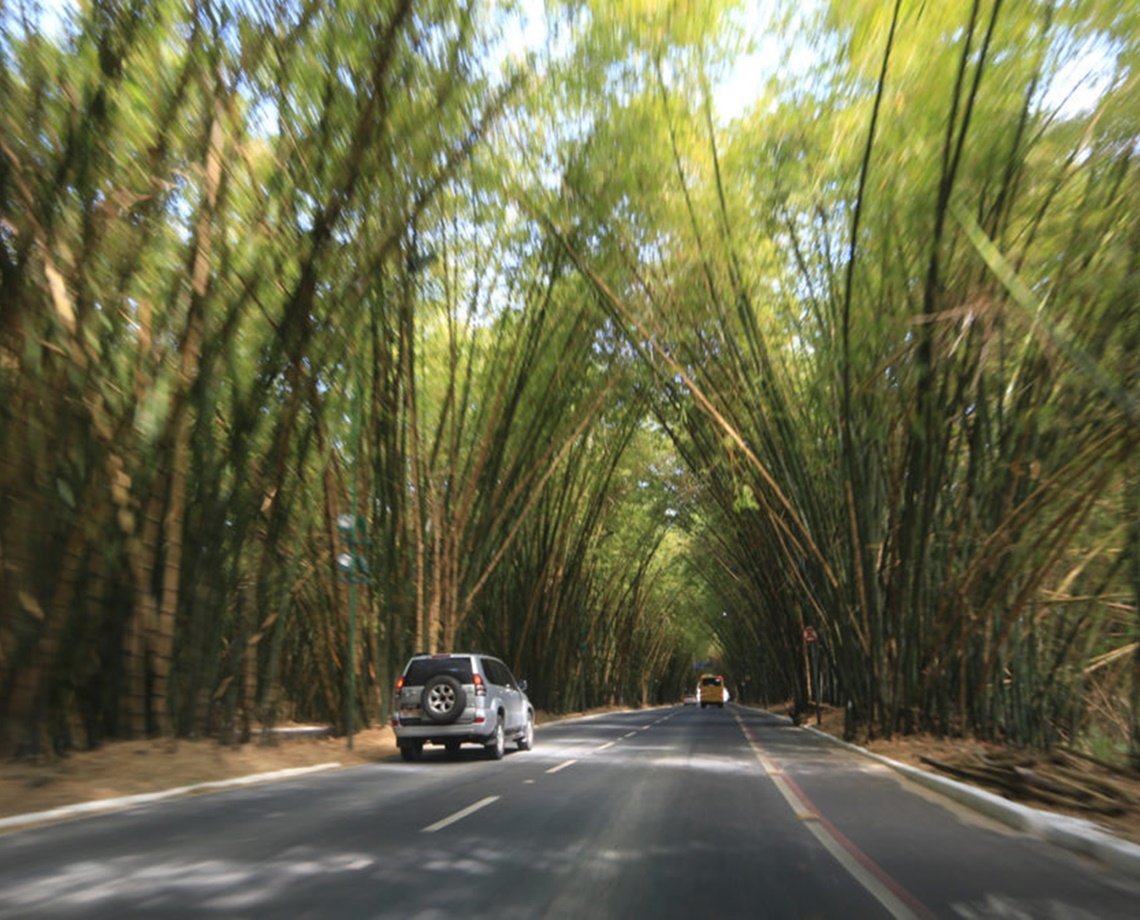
(162, 637)
(143, 616)
(1132, 515)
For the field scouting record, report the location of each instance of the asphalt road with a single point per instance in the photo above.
(675, 812)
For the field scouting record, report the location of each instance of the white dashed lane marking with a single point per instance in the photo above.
(562, 766)
(460, 815)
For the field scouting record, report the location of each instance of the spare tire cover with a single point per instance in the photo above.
(443, 698)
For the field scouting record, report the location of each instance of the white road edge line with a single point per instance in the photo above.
(562, 766)
(880, 892)
(100, 806)
(460, 815)
(895, 907)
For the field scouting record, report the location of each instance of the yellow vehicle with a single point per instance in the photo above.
(711, 691)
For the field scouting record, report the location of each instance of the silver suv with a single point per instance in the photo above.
(456, 698)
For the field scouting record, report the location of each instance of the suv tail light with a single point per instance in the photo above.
(480, 687)
(400, 683)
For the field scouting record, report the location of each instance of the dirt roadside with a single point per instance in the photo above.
(123, 768)
(132, 767)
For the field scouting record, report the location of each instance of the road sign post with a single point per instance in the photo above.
(353, 568)
(811, 641)
(815, 671)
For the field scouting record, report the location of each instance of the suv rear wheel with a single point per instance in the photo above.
(497, 746)
(411, 750)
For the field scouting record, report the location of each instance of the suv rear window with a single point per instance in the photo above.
(710, 681)
(421, 669)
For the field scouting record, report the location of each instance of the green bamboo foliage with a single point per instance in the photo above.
(179, 187)
(633, 384)
(231, 232)
(880, 341)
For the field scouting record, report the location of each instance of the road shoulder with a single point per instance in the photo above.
(1074, 834)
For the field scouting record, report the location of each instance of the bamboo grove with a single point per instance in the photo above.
(607, 379)
(895, 323)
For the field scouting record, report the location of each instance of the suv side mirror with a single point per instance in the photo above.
(522, 686)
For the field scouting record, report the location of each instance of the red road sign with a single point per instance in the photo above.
(810, 635)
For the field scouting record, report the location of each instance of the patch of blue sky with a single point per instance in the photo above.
(524, 31)
(754, 54)
(55, 18)
(1084, 73)
(1085, 70)
(763, 53)
(263, 117)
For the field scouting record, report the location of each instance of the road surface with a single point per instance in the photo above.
(662, 813)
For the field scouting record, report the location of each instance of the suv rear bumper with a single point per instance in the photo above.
(473, 726)
(441, 734)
